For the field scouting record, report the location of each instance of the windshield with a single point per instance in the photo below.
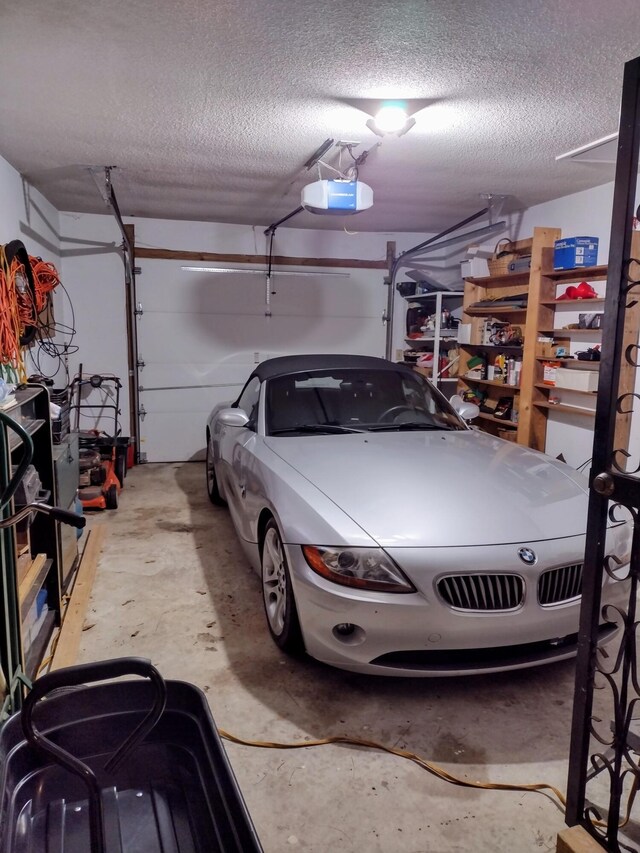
(346, 401)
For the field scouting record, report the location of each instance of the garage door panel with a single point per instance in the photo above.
(187, 438)
(211, 331)
(197, 402)
(172, 375)
(231, 294)
(219, 337)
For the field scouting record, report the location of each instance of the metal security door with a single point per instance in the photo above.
(603, 767)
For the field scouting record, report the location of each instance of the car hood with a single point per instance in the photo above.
(438, 489)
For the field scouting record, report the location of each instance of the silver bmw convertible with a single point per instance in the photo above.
(391, 537)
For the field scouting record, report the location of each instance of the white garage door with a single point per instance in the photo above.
(200, 335)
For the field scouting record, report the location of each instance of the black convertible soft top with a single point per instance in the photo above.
(295, 363)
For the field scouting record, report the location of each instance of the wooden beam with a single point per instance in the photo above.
(532, 423)
(278, 260)
(576, 839)
(68, 646)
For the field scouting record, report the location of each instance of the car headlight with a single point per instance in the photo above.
(364, 568)
(618, 549)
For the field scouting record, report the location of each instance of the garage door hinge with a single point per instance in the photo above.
(141, 412)
(139, 312)
(137, 271)
(385, 317)
(140, 362)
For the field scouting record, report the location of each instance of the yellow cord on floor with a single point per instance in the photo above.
(434, 769)
(429, 766)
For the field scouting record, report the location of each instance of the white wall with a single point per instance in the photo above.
(585, 213)
(93, 274)
(25, 214)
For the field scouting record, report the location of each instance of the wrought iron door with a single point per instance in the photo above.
(603, 769)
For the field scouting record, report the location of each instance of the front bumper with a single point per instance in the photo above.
(419, 634)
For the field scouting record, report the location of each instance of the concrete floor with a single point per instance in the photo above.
(172, 585)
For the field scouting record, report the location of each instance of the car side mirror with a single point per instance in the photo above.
(467, 411)
(233, 417)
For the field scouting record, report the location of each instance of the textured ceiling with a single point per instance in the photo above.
(210, 109)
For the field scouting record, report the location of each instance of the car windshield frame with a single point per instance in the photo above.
(355, 400)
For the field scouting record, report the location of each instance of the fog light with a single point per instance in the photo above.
(349, 634)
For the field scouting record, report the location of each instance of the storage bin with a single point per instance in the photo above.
(577, 380)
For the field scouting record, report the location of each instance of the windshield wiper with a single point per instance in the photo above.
(313, 428)
(408, 425)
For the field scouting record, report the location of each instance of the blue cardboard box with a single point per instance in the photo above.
(575, 252)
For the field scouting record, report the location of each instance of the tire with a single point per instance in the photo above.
(120, 467)
(212, 481)
(277, 594)
(111, 497)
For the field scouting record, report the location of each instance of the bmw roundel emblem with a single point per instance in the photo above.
(527, 556)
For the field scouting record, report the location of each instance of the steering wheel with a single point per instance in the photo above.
(394, 410)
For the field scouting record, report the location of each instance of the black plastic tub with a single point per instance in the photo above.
(93, 770)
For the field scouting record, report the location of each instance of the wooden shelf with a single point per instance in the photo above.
(563, 407)
(568, 332)
(572, 303)
(573, 362)
(443, 337)
(491, 312)
(546, 387)
(32, 583)
(493, 346)
(35, 652)
(491, 382)
(487, 417)
(598, 273)
(446, 294)
(500, 280)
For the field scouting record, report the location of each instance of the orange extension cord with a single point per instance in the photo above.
(10, 354)
(554, 794)
(19, 308)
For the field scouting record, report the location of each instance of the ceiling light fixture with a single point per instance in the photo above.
(391, 117)
(254, 271)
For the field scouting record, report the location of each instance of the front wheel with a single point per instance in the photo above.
(277, 594)
(212, 481)
(111, 497)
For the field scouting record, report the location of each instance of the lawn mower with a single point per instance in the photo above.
(103, 456)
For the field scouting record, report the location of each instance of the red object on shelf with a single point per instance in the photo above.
(582, 291)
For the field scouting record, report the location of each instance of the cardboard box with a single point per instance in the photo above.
(577, 380)
(575, 252)
(549, 348)
(550, 372)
